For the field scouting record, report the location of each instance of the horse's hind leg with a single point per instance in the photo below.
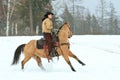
(39, 62)
(75, 57)
(25, 60)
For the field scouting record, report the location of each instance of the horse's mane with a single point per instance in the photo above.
(60, 28)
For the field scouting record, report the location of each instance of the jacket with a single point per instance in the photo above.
(47, 25)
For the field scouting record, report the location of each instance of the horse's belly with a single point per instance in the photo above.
(41, 52)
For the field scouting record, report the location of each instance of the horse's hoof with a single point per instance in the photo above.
(43, 68)
(73, 69)
(83, 64)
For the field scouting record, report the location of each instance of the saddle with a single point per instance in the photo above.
(42, 44)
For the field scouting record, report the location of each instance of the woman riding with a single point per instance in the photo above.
(47, 26)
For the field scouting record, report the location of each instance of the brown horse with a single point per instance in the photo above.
(30, 50)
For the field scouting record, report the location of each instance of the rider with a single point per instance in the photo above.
(47, 26)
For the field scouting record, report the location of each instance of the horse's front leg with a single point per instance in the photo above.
(65, 56)
(69, 63)
(75, 57)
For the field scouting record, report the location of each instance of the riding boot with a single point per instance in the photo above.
(49, 52)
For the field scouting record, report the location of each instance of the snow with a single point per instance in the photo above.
(101, 54)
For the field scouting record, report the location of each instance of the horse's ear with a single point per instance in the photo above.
(65, 23)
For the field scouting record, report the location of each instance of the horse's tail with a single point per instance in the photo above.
(17, 53)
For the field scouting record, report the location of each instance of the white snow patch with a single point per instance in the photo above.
(100, 53)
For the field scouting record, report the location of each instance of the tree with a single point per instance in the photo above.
(74, 7)
(31, 12)
(95, 25)
(112, 19)
(31, 16)
(101, 12)
(80, 21)
(8, 19)
(89, 28)
(67, 17)
(3, 9)
(9, 13)
(116, 27)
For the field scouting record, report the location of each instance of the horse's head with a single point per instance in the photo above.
(66, 28)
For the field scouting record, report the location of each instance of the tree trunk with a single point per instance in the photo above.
(8, 22)
(31, 19)
(37, 30)
(16, 30)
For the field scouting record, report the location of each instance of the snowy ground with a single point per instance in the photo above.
(100, 53)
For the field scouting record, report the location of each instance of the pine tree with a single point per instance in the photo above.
(67, 17)
(95, 25)
(101, 13)
(31, 12)
(88, 27)
(116, 27)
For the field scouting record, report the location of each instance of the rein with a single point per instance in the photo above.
(65, 44)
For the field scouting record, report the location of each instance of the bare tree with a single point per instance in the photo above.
(10, 11)
(88, 22)
(101, 13)
(30, 15)
(112, 18)
(8, 19)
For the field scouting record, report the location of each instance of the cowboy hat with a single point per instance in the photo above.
(48, 13)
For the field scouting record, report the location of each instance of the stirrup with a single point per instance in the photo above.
(49, 58)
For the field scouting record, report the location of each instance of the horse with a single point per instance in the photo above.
(31, 51)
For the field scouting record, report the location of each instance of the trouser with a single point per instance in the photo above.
(48, 39)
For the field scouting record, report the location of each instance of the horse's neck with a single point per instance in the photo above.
(63, 38)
